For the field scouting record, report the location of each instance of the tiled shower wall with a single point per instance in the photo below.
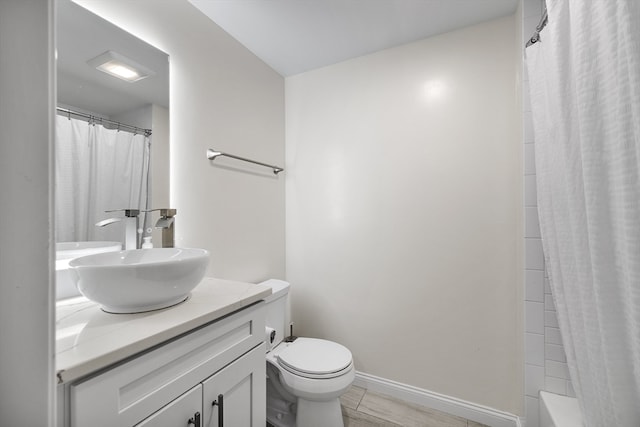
(545, 362)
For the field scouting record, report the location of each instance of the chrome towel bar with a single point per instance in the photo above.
(212, 154)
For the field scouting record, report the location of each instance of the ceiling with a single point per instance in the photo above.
(294, 36)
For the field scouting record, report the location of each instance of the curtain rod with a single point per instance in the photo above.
(96, 119)
(536, 34)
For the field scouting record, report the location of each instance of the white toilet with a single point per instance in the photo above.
(305, 377)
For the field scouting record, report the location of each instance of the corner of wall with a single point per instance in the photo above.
(27, 102)
(519, 232)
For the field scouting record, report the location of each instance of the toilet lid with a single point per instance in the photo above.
(314, 356)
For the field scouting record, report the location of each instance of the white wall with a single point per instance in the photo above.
(26, 237)
(140, 117)
(404, 200)
(225, 98)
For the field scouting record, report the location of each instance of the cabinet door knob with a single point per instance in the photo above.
(195, 420)
(220, 404)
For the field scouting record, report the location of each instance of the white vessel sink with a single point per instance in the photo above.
(65, 252)
(139, 280)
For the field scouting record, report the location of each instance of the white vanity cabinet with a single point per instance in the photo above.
(176, 383)
(231, 397)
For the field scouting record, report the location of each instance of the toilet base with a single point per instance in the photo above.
(319, 414)
(281, 410)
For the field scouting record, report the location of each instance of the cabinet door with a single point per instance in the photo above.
(239, 392)
(185, 411)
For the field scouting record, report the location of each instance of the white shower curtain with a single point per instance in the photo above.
(585, 94)
(97, 169)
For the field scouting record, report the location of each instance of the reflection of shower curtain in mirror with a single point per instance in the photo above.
(97, 169)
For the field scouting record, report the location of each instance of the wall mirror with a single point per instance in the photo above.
(112, 127)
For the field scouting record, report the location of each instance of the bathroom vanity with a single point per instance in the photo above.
(195, 364)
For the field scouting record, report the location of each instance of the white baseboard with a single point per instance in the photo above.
(439, 402)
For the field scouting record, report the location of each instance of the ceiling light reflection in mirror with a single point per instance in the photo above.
(82, 38)
(120, 66)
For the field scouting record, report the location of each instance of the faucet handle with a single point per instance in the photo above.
(164, 212)
(168, 212)
(129, 213)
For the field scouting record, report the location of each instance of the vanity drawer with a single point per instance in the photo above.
(131, 391)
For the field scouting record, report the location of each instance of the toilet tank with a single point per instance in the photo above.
(278, 310)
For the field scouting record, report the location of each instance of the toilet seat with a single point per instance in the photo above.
(310, 387)
(315, 358)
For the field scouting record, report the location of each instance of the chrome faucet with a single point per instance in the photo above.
(166, 223)
(131, 226)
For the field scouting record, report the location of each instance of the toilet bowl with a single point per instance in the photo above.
(305, 376)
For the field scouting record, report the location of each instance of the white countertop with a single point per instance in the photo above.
(88, 339)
